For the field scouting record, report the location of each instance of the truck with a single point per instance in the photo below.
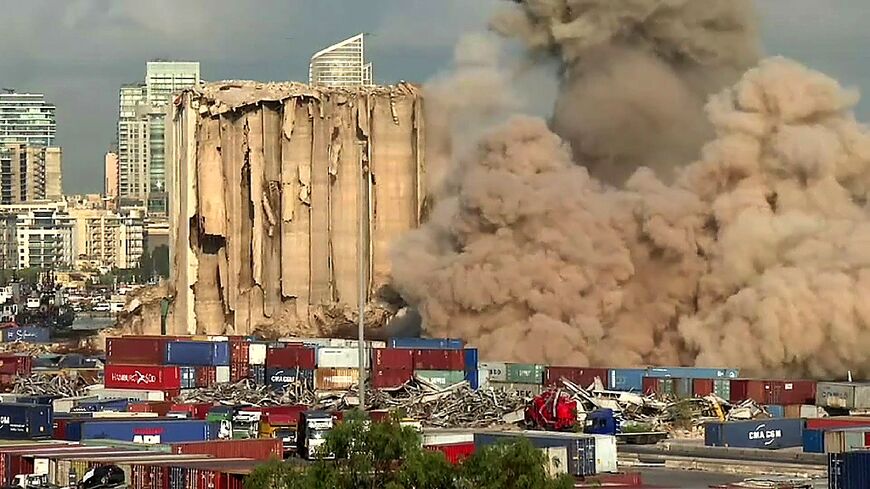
(311, 433)
(283, 426)
(223, 416)
(246, 423)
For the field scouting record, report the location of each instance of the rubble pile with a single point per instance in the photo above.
(246, 392)
(65, 384)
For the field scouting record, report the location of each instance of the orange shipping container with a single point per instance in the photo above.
(335, 378)
(257, 449)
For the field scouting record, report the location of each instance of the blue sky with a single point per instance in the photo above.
(79, 52)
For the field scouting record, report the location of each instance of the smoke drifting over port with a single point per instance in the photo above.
(754, 252)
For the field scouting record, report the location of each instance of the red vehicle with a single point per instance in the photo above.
(553, 411)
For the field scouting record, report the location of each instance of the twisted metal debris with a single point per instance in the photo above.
(62, 384)
(246, 392)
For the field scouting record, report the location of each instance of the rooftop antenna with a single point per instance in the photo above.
(8, 90)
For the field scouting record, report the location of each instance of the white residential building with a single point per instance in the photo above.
(108, 239)
(341, 65)
(26, 118)
(43, 235)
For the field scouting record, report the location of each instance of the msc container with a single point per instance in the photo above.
(393, 358)
(291, 356)
(843, 395)
(27, 334)
(440, 359)
(16, 364)
(257, 354)
(582, 376)
(150, 432)
(626, 379)
(426, 343)
(849, 470)
(813, 441)
(131, 394)
(332, 379)
(580, 447)
(146, 377)
(280, 378)
(25, 421)
(524, 373)
(257, 449)
(385, 378)
(846, 439)
(774, 391)
(441, 378)
(495, 371)
(197, 353)
(528, 390)
(762, 433)
(340, 358)
(136, 350)
(693, 372)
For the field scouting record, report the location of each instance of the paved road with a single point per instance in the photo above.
(685, 479)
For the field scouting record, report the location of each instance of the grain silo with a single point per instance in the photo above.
(271, 185)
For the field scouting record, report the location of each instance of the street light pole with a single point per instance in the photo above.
(361, 246)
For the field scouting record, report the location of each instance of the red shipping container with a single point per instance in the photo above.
(145, 377)
(159, 407)
(702, 387)
(206, 376)
(7, 379)
(137, 350)
(239, 371)
(387, 378)
(16, 364)
(198, 410)
(239, 352)
(582, 376)
(393, 358)
(778, 392)
(291, 356)
(257, 449)
(439, 359)
(835, 422)
(455, 453)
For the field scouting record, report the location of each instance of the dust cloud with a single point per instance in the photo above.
(756, 254)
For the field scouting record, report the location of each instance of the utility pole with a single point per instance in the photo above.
(361, 246)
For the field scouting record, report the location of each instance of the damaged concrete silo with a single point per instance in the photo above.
(265, 215)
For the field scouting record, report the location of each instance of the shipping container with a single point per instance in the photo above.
(805, 411)
(16, 364)
(454, 453)
(197, 353)
(257, 354)
(100, 405)
(65, 404)
(693, 372)
(331, 379)
(239, 371)
(383, 378)
(605, 454)
(761, 433)
(27, 334)
(472, 359)
(849, 470)
(393, 358)
(580, 447)
(441, 378)
(197, 410)
(206, 376)
(813, 441)
(240, 352)
(159, 407)
(439, 436)
(626, 379)
(528, 390)
(257, 449)
(773, 391)
(843, 395)
(775, 411)
(667, 386)
(25, 421)
(432, 359)
(258, 374)
(142, 377)
(222, 374)
(280, 378)
(329, 357)
(133, 394)
(495, 371)
(846, 439)
(719, 387)
(136, 350)
(524, 373)
(582, 376)
(426, 343)
(291, 356)
(835, 422)
(189, 377)
(150, 431)
(473, 378)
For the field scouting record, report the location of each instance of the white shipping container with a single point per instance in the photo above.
(333, 342)
(222, 374)
(8, 398)
(65, 404)
(557, 460)
(434, 438)
(132, 394)
(496, 371)
(328, 357)
(605, 454)
(257, 354)
(122, 414)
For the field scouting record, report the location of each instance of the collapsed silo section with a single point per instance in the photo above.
(271, 186)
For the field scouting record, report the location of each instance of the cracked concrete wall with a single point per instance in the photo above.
(267, 182)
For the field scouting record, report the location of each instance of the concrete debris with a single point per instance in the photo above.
(774, 482)
(63, 384)
(272, 181)
(248, 393)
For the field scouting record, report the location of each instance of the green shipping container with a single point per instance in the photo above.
(441, 378)
(525, 373)
(722, 388)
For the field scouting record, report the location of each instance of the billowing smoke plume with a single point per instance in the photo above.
(636, 74)
(757, 255)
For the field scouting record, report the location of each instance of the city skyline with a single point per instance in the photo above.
(82, 77)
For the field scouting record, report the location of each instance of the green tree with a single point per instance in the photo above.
(389, 456)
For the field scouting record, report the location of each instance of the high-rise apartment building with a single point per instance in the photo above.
(22, 173)
(26, 118)
(43, 236)
(53, 174)
(141, 130)
(108, 239)
(110, 182)
(341, 65)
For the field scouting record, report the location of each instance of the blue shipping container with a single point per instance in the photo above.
(580, 448)
(849, 470)
(426, 343)
(25, 421)
(280, 378)
(258, 374)
(760, 433)
(36, 399)
(27, 334)
(814, 441)
(775, 411)
(473, 378)
(693, 372)
(472, 358)
(626, 379)
(97, 406)
(197, 353)
(150, 432)
(188, 377)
